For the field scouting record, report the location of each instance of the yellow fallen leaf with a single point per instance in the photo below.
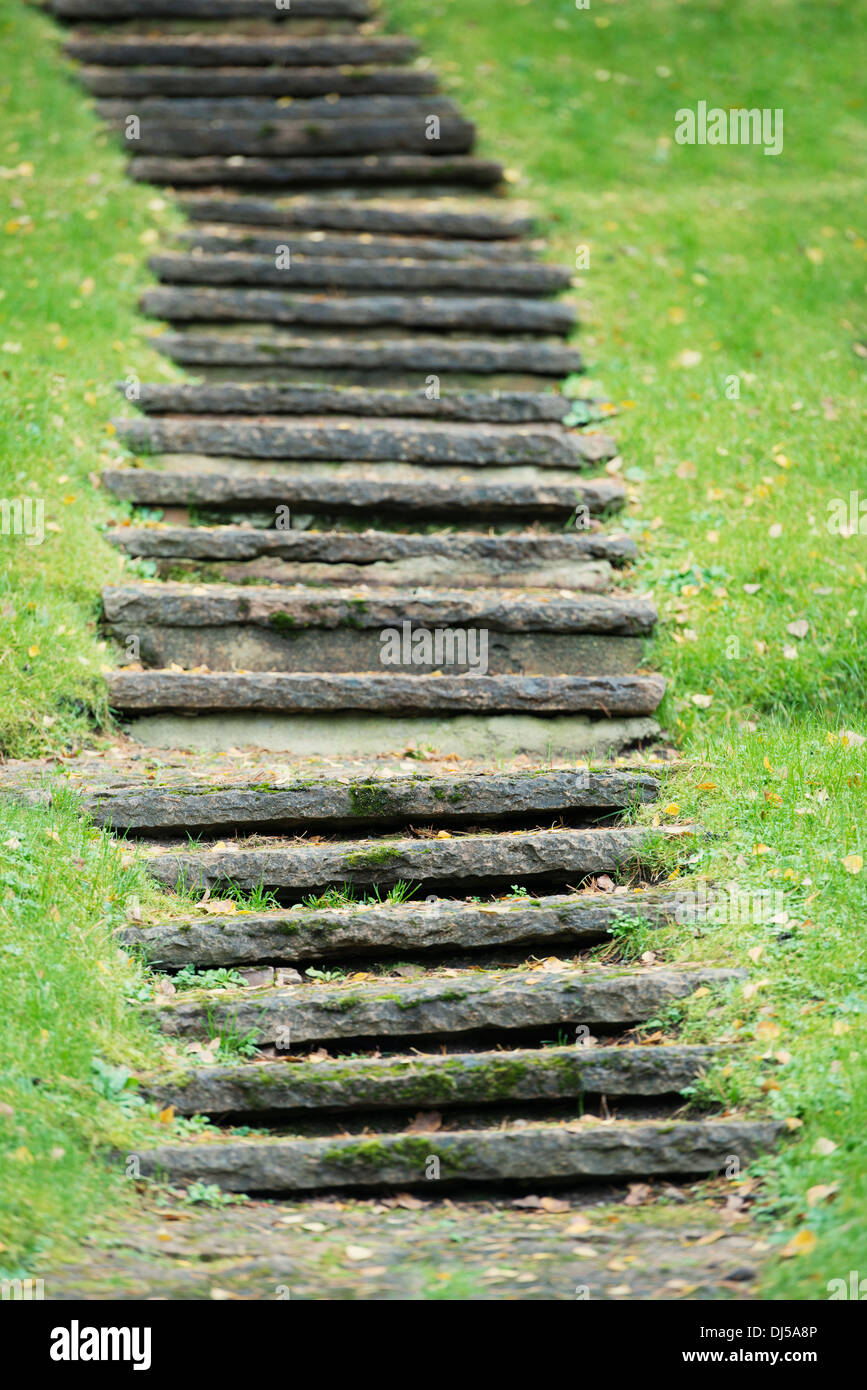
(801, 1244)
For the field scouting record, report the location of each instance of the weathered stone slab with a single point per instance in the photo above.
(263, 691)
(232, 50)
(447, 169)
(329, 439)
(131, 82)
(364, 548)
(415, 217)
(288, 137)
(491, 407)
(424, 355)
(265, 109)
(221, 240)
(472, 1078)
(327, 804)
(292, 936)
(196, 606)
(419, 496)
(443, 312)
(238, 556)
(464, 1003)
(342, 273)
(207, 9)
(533, 1153)
(467, 860)
(229, 239)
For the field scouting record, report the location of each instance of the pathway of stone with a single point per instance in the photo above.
(373, 441)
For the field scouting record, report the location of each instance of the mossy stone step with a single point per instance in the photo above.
(139, 692)
(131, 82)
(294, 936)
(227, 398)
(357, 171)
(442, 217)
(240, 554)
(422, 495)
(418, 1081)
(445, 1006)
(195, 50)
(344, 274)
(369, 354)
(225, 239)
(285, 136)
(328, 805)
(208, 9)
(287, 610)
(445, 313)
(467, 862)
(534, 1154)
(265, 109)
(337, 438)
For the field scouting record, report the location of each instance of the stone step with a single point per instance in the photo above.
(132, 82)
(227, 398)
(369, 354)
(463, 1002)
(197, 51)
(413, 695)
(343, 274)
(222, 239)
(208, 9)
(535, 1154)
(424, 1082)
(390, 633)
(415, 217)
(266, 110)
(469, 862)
(425, 494)
(446, 313)
(241, 554)
(301, 172)
(287, 137)
(507, 610)
(298, 935)
(197, 808)
(331, 439)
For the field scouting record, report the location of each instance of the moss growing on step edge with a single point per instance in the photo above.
(363, 858)
(377, 1156)
(280, 622)
(368, 799)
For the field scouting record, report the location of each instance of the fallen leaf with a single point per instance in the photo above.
(801, 1244)
(823, 1147)
(425, 1122)
(820, 1193)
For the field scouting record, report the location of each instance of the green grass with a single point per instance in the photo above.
(70, 1037)
(753, 266)
(74, 239)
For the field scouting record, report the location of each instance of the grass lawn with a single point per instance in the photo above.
(718, 312)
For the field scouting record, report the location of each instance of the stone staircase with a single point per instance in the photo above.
(375, 523)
